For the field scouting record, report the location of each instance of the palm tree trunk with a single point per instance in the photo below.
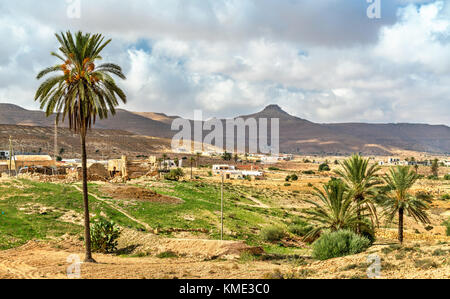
(191, 171)
(400, 225)
(87, 230)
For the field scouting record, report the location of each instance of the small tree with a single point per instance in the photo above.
(227, 156)
(435, 167)
(197, 161)
(398, 201)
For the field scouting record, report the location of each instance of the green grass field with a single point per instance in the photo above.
(243, 219)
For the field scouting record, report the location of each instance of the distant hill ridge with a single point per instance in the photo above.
(296, 135)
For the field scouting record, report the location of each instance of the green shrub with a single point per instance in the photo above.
(424, 195)
(300, 228)
(445, 197)
(447, 227)
(104, 235)
(272, 233)
(447, 177)
(287, 184)
(174, 175)
(308, 172)
(324, 167)
(273, 168)
(294, 177)
(167, 255)
(339, 243)
(433, 177)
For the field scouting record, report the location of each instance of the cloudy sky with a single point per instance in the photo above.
(323, 60)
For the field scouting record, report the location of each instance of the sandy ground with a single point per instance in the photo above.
(37, 260)
(46, 260)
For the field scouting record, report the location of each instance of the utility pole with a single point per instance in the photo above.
(10, 156)
(55, 149)
(221, 209)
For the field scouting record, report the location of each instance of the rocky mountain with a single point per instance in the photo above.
(296, 135)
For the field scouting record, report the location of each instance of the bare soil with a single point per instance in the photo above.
(136, 193)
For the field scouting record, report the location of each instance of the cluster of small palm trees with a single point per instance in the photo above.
(350, 202)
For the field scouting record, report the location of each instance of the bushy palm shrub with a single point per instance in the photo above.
(339, 243)
(272, 233)
(104, 235)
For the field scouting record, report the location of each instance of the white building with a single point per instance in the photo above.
(218, 169)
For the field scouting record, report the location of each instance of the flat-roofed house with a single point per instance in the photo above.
(21, 161)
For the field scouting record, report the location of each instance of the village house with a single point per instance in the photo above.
(218, 169)
(22, 161)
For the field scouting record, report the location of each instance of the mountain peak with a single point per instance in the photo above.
(274, 111)
(275, 108)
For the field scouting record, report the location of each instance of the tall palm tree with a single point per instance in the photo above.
(334, 209)
(82, 93)
(398, 200)
(362, 181)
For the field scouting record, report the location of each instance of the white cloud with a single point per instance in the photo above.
(320, 61)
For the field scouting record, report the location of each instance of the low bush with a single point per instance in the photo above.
(433, 177)
(324, 167)
(174, 175)
(339, 243)
(300, 228)
(273, 168)
(447, 177)
(309, 172)
(104, 235)
(272, 233)
(445, 197)
(166, 255)
(447, 227)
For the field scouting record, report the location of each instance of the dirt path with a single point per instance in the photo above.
(119, 209)
(259, 204)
